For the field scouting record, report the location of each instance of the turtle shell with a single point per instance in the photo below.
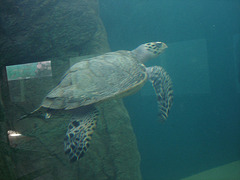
(112, 75)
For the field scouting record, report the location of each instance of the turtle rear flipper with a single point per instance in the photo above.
(79, 133)
(162, 85)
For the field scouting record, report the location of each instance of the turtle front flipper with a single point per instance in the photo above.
(162, 85)
(79, 132)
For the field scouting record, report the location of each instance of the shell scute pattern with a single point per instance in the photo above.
(100, 78)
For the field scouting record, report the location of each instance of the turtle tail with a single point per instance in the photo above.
(162, 85)
(79, 133)
(29, 114)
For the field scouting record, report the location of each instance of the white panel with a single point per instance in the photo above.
(29, 70)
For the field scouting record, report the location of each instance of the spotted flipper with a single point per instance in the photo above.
(79, 133)
(162, 85)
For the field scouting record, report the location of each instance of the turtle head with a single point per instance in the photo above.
(149, 50)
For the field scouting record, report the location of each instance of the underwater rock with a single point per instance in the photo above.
(113, 152)
(38, 30)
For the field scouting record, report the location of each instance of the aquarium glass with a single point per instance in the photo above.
(74, 107)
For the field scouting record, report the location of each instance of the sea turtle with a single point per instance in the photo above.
(98, 79)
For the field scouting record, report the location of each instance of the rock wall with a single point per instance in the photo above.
(113, 152)
(38, 30)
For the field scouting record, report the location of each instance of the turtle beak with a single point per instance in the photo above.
(164, 45)
(161, 45)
